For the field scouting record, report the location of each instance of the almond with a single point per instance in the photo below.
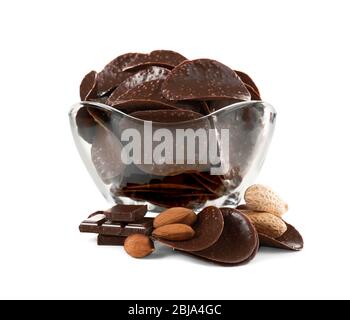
(262, 198)
(175, 215)
(267, 223)
(174, 232)
(138, 245)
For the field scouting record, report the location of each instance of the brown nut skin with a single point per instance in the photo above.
(175, 215)
(262, 198)
(138, 246)
(266, 223)
(174, 232)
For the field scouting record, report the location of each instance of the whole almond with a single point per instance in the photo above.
(138, 245)
(175, 215)
(267, 223)
(262, 198)
(174, 232)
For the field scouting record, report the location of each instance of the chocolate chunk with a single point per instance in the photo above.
(238, 242)
(100, 225)
(110, 228)
(96, 213)
(149, 74)
(112, 74)
(145, 95)
(88, 87)
(127, 213)
(290, 240)
(92, 224)
(103, 240)
(166, 116)
(165, 58)
(247, 80)
(204, 79)
(208, 229)
(106, 155)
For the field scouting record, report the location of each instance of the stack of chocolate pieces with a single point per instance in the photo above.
(164, 87)
(186, 189)
(113, 226)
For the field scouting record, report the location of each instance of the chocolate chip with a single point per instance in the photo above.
(165, 58)
(88, 87)
(290, 240)
(204, 79)
(208, 229)
(238, 242)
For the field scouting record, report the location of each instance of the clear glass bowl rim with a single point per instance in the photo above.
(230, 108)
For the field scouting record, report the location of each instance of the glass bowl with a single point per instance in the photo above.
(192, 163)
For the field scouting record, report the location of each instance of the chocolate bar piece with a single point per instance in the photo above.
(100, 225)
(127, 213)
(93, 223)
(110, 228)
(103, 240)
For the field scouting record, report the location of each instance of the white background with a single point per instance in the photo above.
(297, 52)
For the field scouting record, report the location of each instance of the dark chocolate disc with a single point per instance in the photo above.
(166, 116)
(146, 95)
(101, 117)
(178, 201)
(204, 79)
(215, 105)
(247, 80)
(165, 186)
(112, 74)
(290, 240)
(242, 207)
(213, 184)
(86, 124)
(106, 155)
(149, 74)
(253, 94)
(208, 228)
(88, 87)
(238, 242)
(164, 58)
